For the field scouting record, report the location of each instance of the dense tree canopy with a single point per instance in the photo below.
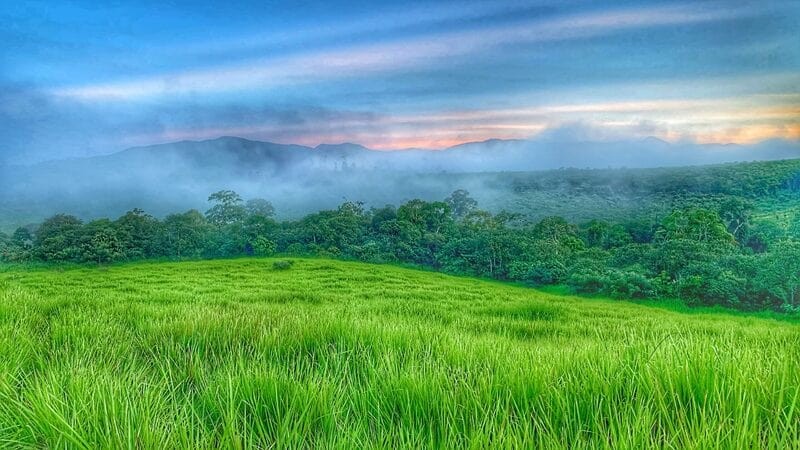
(706, 254)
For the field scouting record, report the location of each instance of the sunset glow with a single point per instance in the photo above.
(422, 75)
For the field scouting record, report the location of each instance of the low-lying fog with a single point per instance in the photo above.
(297, 180)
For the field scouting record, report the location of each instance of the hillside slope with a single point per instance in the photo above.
(334, 354)
(178, 179)
(298, 179)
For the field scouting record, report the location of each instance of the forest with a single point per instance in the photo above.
(717, 241)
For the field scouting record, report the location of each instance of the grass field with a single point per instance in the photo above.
(234, 354)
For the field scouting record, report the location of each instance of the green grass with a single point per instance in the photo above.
(235, 354)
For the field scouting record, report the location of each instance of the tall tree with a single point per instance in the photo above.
(138, 233)
(461, 204)
(699, 225)
(58, 238)
(185, 234)
(259, 207)
(227, 209)
(100, 242)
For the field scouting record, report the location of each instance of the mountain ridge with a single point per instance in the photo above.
(244, 147)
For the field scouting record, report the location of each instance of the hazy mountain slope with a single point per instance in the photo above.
(298, 179)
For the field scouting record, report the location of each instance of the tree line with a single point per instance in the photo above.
(700, 255)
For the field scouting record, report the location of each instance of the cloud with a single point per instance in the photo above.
(421, 76)
(411, 53)
(36, 126)
(371, 25)
(738, 119)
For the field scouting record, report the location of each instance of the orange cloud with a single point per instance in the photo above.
(724, 120)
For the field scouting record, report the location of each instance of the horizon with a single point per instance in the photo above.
(535, 139)
(81, 80)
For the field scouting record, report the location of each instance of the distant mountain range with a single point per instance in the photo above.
(266, 158)
(170, 177)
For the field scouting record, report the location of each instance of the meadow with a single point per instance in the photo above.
(332, 354)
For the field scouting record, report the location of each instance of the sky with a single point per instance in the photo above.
(81, 78)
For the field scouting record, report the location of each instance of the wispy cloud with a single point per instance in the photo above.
(76, 80)
(371, 24)
(741, 119)
(362, 60)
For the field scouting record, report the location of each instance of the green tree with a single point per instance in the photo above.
(18, 247)
(698, 225)
(138, 234)
(100, 242)
(227, 209)
(426, 216)
(599, 233)
(334, 232)
(461, 204)
(382, 215)
(263, 246)
(546, 251)
(433, 222)
(259, 207)
(709, 283)
(481, 245)
(185, 235)
(735, 213)
(784, 267)
(5, 247)
(560, 234)
(58, 239)
(22, 237)
(399, 240)
(257, 230)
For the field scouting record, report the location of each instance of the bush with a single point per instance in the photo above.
(630, 284)
(297, 248)
(282, 264)
(587, 282)
(538, 272)
(263, 246)
(612, 282)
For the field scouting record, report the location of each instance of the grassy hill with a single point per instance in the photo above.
(238, 354)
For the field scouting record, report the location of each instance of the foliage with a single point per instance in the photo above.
(613, 282)
(259, 207)
(282, 264)
(263, 246)
(184, 234)
(718, 252)
(58, 239)
(461, 204)
(227, 208)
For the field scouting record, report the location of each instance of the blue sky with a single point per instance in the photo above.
(80, 79)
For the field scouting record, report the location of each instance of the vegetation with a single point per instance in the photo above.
(729, 236)
(618, 195)
(282, 264)
(234, 354)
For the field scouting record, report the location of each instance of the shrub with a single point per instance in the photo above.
(263, 246)
(612, 282)
(587, 282)
(548, 271)
(282, 264)
(709, 284)
(297, 248)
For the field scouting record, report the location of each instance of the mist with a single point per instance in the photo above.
(416, 100)
(297, 179)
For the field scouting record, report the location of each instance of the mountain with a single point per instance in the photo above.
(539, 154)
(243, 157)
(176, 176)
